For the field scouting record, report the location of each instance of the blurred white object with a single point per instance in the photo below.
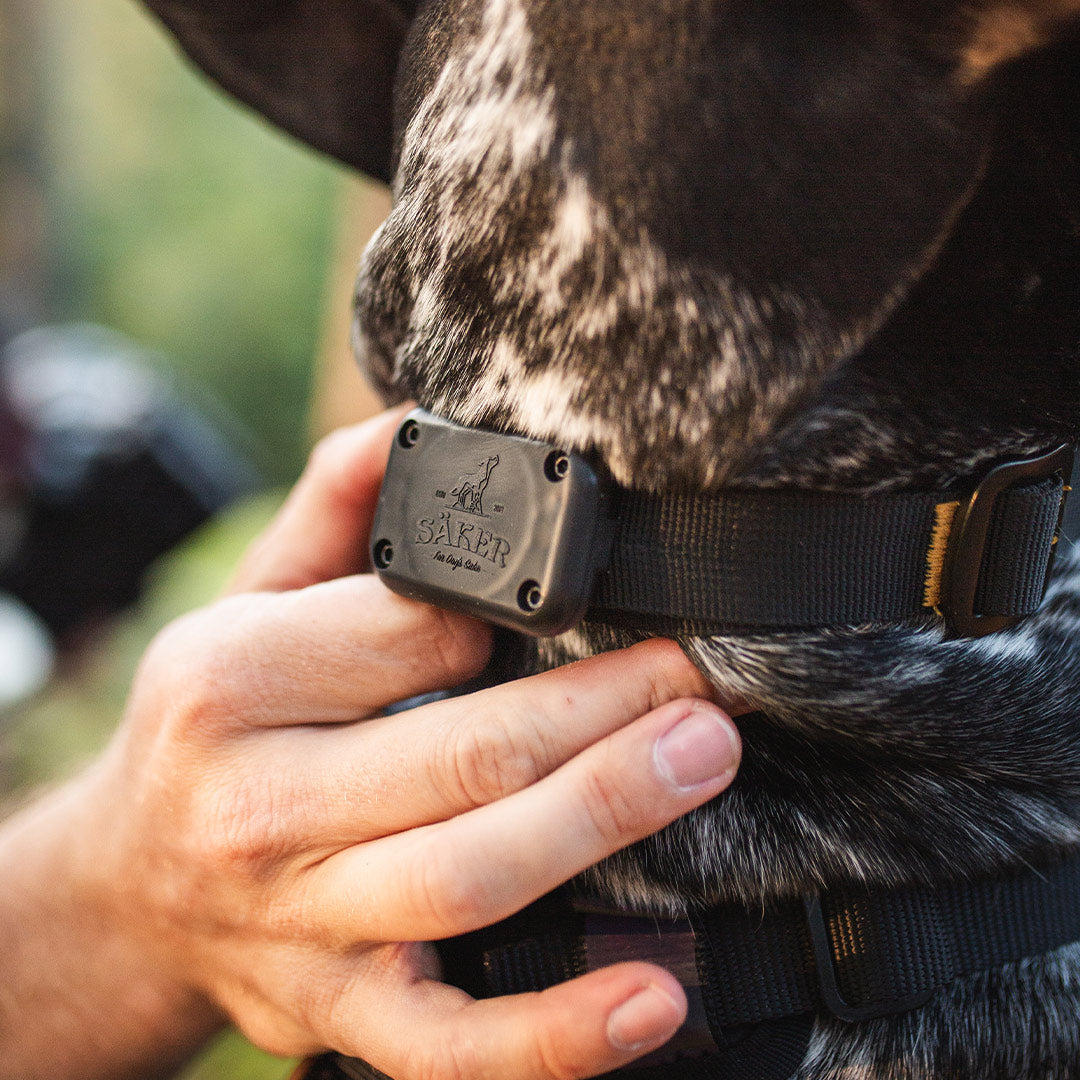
(27, 656)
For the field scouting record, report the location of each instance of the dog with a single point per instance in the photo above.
(813, 245)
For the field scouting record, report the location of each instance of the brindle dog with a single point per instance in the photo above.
(821, 244)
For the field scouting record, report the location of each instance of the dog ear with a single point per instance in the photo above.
(321, 69)
(998, 31)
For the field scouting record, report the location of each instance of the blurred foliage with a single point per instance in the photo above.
(183, 220)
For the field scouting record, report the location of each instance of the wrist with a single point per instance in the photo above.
(84, 982)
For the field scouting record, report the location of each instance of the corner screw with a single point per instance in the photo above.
(530, 596)
(556, 466)
(409, 434)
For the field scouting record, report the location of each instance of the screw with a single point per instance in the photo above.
(530, 596)
(384, 554)
(409, 434)
(556, 466)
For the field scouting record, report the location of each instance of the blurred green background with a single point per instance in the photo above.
(136, 196)
(181, 220)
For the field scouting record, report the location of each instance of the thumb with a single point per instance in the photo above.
(321, 532)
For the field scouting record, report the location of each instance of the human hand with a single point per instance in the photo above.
(273, 842)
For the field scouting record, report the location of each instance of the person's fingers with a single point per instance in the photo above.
(443, 759)
(322, 530)
(329, 653)
(482, 866)
(590, 1025)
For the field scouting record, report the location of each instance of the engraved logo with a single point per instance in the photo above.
(464, 537)
(468, 492)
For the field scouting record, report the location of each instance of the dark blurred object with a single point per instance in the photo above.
(110, 468)
(12, 486)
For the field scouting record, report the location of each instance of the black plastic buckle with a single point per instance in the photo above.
(829, 986)
(506, 529)
(967, 540)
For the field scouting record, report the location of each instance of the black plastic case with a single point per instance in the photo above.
(503, 528)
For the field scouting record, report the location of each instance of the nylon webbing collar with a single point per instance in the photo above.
(756, 978)
(784, 560)
(520, 533)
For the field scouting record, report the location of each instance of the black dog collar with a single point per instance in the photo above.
(520, 533)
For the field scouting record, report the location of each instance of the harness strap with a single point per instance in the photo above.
(787, 559)
(856, 953)
(757, 978)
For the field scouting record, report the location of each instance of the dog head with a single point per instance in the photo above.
(663, 231)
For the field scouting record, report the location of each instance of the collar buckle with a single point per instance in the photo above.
(968, 540)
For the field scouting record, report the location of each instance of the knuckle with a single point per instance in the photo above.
(458, 1057)
(176, 652)
(199, 663)
(326, 1005)
(178, 637)
(457, 649)
(671, 675)
(485, 761)
(463, 1059)
(611, 810)
(330, 995)
(242, 834)
(448, 898)
(461, 1056)
(552, 1060)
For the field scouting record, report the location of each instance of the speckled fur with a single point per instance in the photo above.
(830, 245)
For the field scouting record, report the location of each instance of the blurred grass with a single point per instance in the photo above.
(192, 227)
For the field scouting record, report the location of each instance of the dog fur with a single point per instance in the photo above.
(828, 244)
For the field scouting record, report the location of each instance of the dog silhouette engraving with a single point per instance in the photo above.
(470, 488)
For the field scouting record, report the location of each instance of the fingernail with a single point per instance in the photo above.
(651, 1016)
(699, 748)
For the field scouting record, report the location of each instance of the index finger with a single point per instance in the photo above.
(321, 531)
